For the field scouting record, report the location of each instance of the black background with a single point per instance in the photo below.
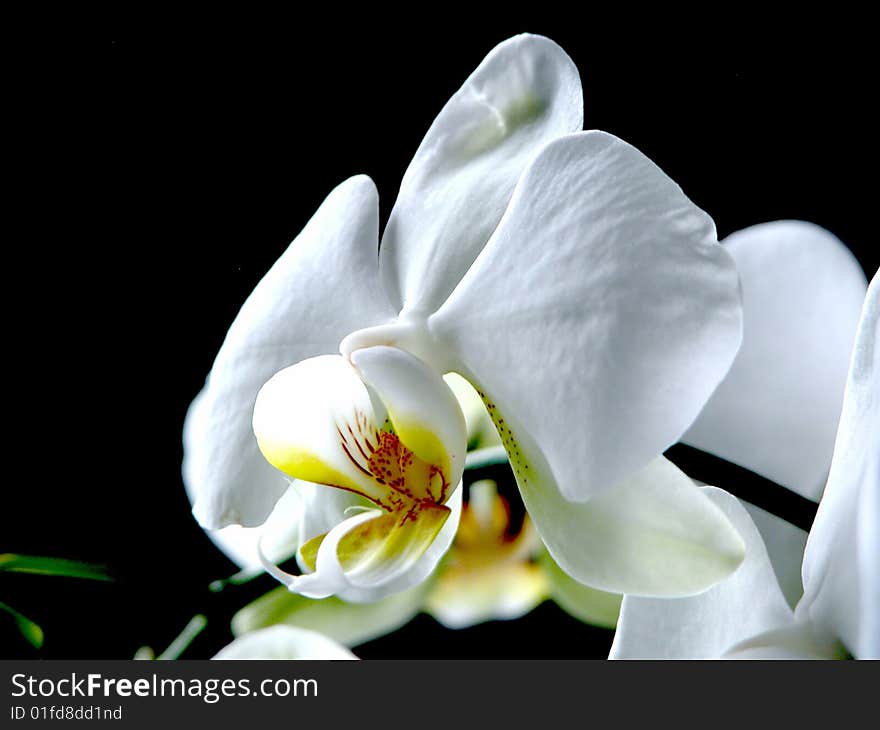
(157, 179)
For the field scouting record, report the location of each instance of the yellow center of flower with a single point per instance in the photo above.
(489, 572)
(484, 538)
(382, 425)
(401, 481)
(409, 488)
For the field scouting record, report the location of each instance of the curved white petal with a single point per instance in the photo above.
(350, 624)
(601, 314)
(313, 420)
(776, 411)
(655, 534)
(375, 580)
(324, 286)
(319, 421)
(284, 642)
(328, 578)
(279, 535)
(785, 545)
(525, 92)
(794, 641)
(841, 569)
(707, 625)
(586, 604)
(418, 572)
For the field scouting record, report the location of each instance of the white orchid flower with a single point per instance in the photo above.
(284, 642)
(562, 274)
(747, 615)
(776, 411)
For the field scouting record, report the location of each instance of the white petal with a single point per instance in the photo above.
(328, 578)
(589, 605)
(795, 641)
(279, 534)
(842, 561)
(656, 534)
(326, 508)
(310, 420)
(785, 546)
(324, 286)
(600, 316)
(378, 581)
(776, 411)
(350, 624)
(422, 408)
(526, 92)
(707, 625)
(284, 642)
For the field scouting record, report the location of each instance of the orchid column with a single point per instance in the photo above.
(561, 273)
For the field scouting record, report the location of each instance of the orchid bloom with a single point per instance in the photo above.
(284, 642)
(747, 616)
(397, 447)
(561, 273)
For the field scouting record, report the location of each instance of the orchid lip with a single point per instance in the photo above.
(382, 425)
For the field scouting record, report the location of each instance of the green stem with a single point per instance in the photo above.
(184, 639)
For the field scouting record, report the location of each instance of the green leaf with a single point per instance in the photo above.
(52, 566)
(31, 631)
